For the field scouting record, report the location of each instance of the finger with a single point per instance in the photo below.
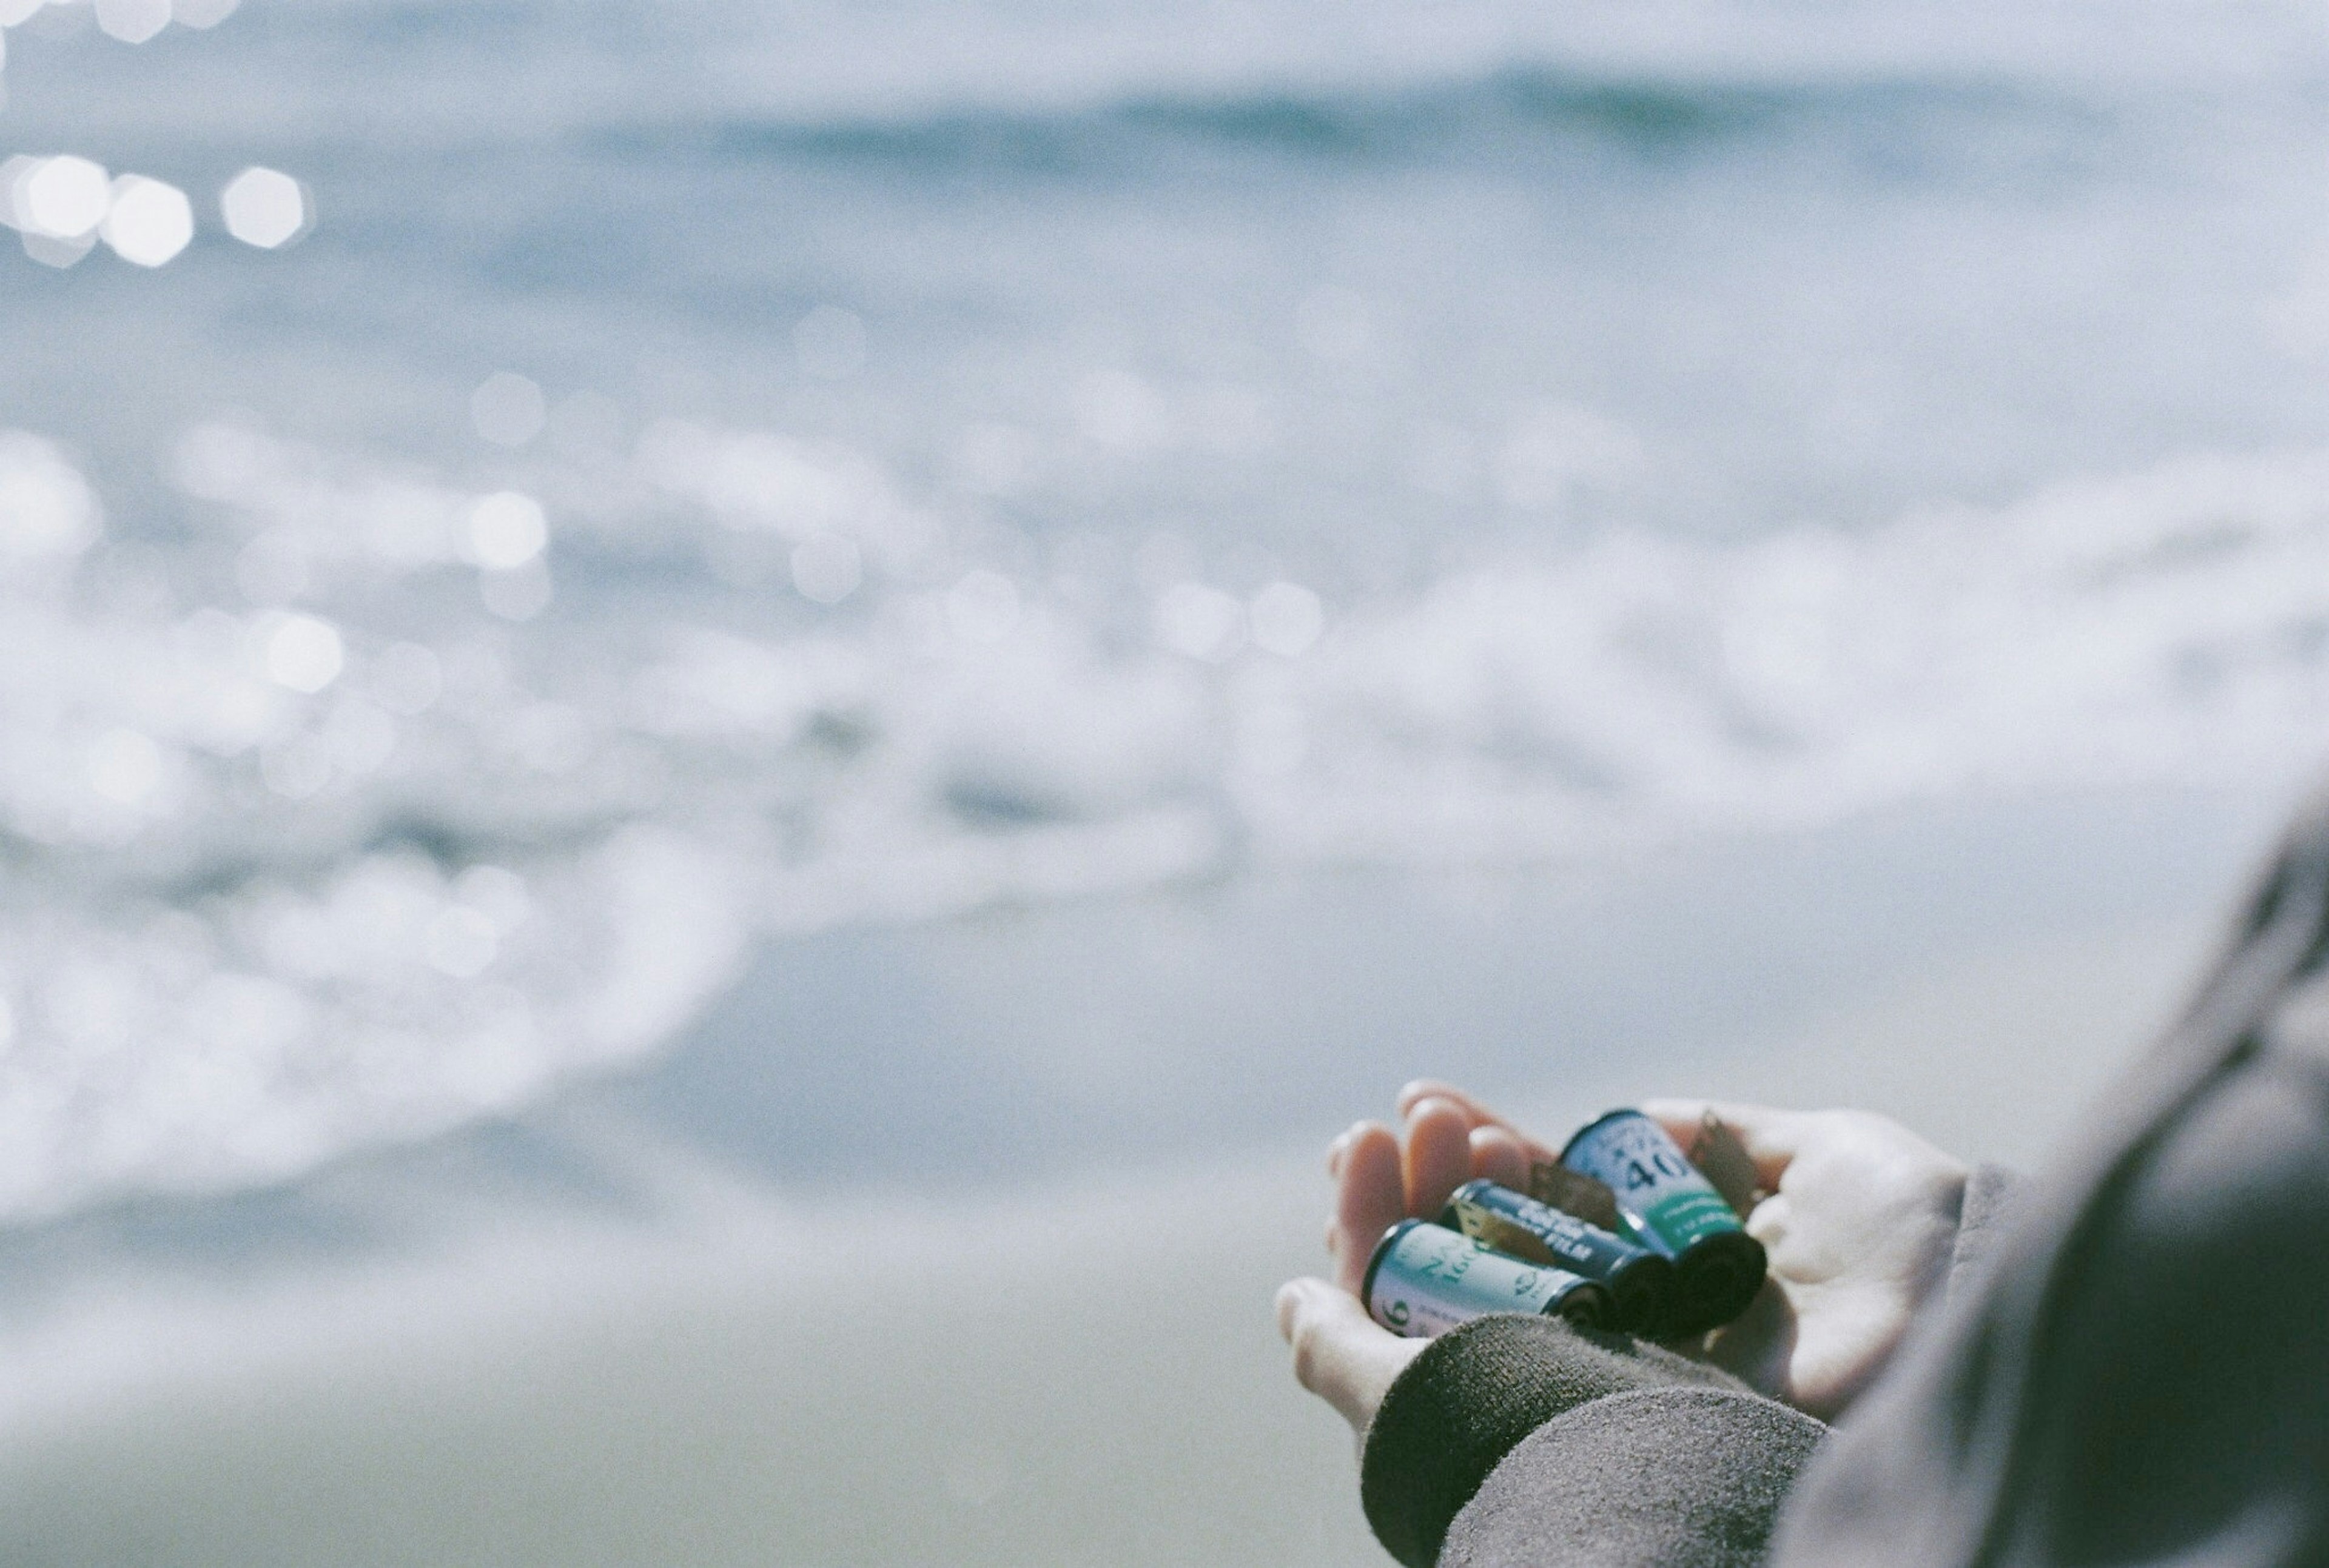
(1480, 1116)
(1339, 1150)
(1770, 1137)
(1369, 1197)
(1340, 1354)
(1438, 1155)
(1498, 1156)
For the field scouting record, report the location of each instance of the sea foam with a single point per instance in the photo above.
(295, 878)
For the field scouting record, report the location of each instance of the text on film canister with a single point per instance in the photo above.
(1513, 1222)
(1426, 1279)
(1668, 1206)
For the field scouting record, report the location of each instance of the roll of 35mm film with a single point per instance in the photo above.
(1636, 1278)
(1425, 1279)
(1669, 1208)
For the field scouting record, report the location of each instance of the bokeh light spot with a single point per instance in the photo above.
(51, 252)
(495, 892)
(1200, 621)
(1285, 618)
(506, 529)
(304, 653)
(265, 207)
(62, 197)
(125, 767)
(148, 222)
(47, 509)
(462, 942)
(827, 568)
(132, 21)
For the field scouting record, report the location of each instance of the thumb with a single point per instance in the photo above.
(1340, 1354)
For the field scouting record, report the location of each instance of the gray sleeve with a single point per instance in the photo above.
(1674, 1477)
(2148, 1390)
(2172, 1404)
(1476, 1399)
(1992, 1196)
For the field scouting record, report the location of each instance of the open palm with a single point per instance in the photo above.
(1859, 1219)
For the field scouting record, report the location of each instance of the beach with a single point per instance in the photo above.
(607, 1336)
(715, 775)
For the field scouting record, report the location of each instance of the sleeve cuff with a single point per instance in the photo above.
(1472, 1396)
(1669, 1477)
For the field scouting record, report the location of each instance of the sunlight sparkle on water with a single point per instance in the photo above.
(507, 529)
(1285, 618)
(132, 21)
(125, 767)
(148, 222)
(62, 197)
(303, 652)
(47, 510)
(1200, 621)
(462, 942)
(62, 205)
(826, 569)
(265, 207)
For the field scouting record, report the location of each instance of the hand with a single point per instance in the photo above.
(1859, 1225)
(1341, 1354)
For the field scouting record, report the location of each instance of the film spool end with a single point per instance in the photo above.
(1715, 1283)
(1586, 1306)
(1637, 1295)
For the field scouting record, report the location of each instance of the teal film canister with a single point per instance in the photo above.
(1426, 1279)
(1670, 1207)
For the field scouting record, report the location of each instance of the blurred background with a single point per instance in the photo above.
(727, 730)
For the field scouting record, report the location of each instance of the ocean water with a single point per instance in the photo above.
(719, 475)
